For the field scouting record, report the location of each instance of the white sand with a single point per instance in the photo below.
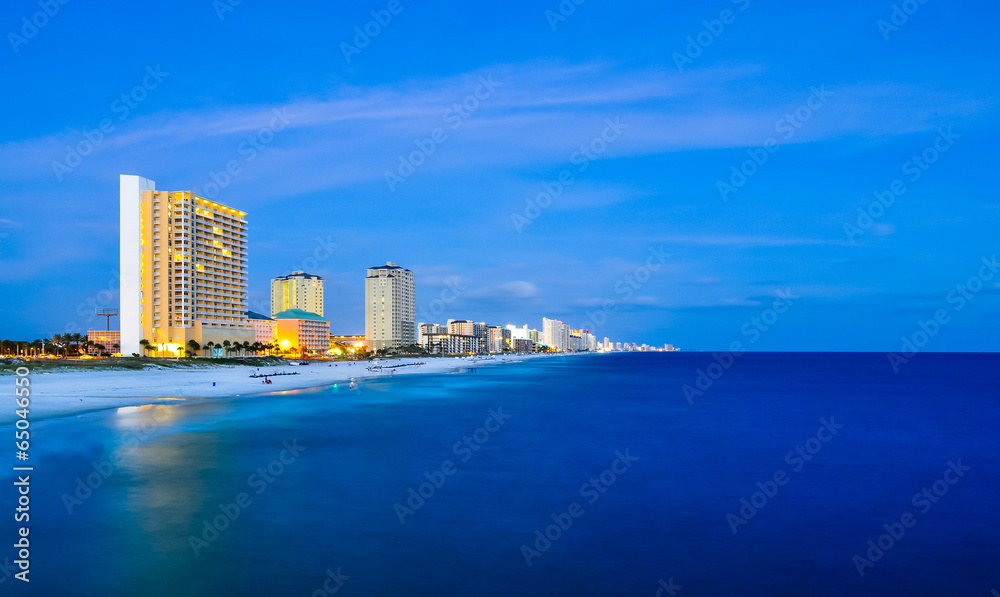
(71, 392)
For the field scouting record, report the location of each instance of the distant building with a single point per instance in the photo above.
(452, 344)
(439, 339)
(183, 269)
(582, 340)
(555, 334)
(430, 329)
(301, 331)
(263, 327)
(462, 327)
(390, 307)
(111, 341)
(498, 339)
(522, 345)
(297, 290)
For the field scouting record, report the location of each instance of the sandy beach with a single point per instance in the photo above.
(71, 392)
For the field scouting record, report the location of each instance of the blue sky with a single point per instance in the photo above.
(833, 105)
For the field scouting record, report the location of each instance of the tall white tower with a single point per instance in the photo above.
(390, 307)
(130, 190)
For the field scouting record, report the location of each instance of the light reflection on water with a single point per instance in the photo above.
(174, 465)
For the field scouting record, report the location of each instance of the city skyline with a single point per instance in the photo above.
(184, 289)
(691, 151)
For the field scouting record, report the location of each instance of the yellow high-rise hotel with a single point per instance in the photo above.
(183, 269)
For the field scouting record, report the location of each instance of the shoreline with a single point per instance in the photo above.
(66, 393)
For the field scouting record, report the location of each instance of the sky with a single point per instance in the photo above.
(786, 176)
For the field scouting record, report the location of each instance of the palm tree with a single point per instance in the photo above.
(195, 347)
(210, 346)
(57, 341)
(226, 345)
(116, 348)
(246, 346)
(145, 345)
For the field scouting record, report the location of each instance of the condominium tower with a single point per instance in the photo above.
(390, 307)
(297, 290)
(183, 264)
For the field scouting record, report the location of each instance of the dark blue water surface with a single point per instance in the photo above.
(670, 514)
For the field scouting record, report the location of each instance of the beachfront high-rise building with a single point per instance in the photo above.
(555, 334)
(390, 307)
(297, 290)
(183, 269)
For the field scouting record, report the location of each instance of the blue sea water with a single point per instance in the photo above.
(871, 442)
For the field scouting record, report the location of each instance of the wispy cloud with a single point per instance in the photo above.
(539, 114)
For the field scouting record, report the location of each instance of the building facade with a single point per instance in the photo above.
(390, 307)
(498, 339)
(555, 334)
(111, 341)
(452, 344)
(522, 345)
(263, 327)
(301, 331)
(297, 290)
(183, 269)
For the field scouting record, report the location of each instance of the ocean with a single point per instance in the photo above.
(777, 474)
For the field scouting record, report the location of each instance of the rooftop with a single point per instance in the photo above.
(299, 275)
(299, 314)
(256, 315)
(389, 265)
